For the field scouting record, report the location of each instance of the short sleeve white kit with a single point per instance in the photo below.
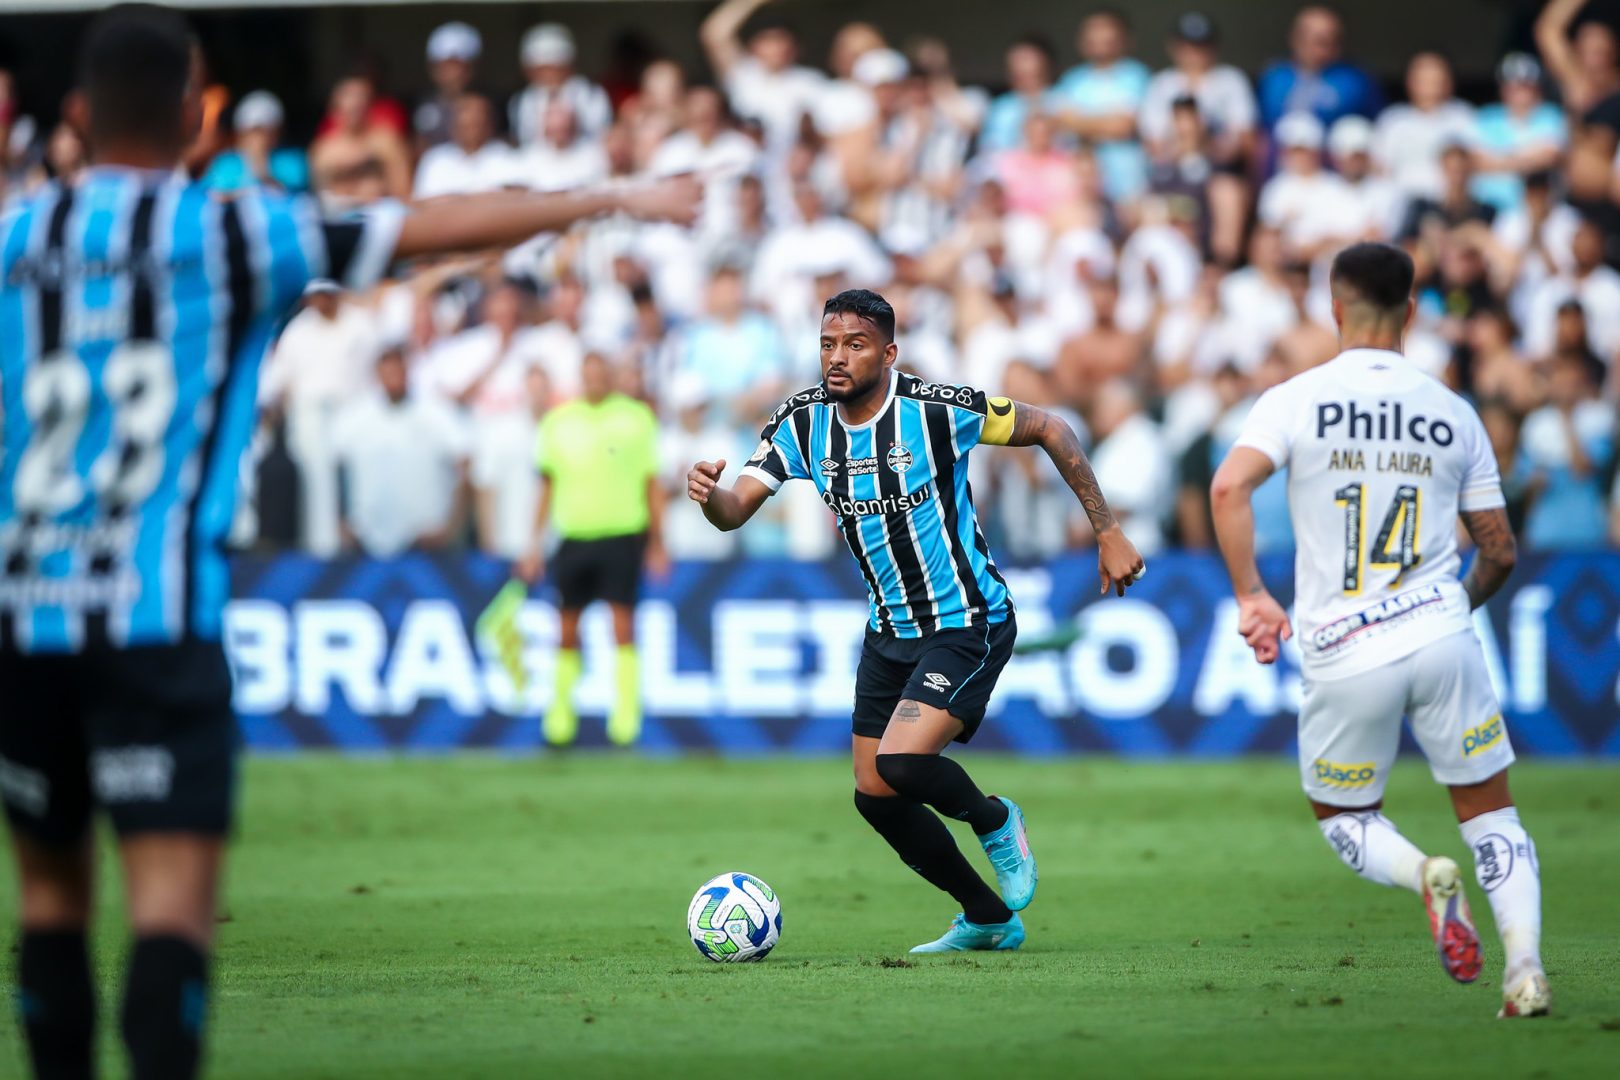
(1381, 458)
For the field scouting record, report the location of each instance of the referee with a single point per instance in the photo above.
(598, 459)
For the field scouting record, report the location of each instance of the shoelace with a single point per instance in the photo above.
(1004, 853)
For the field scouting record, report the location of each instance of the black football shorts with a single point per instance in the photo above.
(607, 569)
(146, 734)
(951, 669)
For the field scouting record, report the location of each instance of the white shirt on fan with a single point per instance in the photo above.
(1417, 457)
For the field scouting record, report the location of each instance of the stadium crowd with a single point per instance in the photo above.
(1137, 236)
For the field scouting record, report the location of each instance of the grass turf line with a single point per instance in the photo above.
(482, 917)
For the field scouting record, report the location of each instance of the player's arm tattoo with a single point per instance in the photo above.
(1496, 554)
(907, 712)
(1037, 427)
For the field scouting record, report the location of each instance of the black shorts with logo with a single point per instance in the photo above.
(146, 734)
(606, 569)
(951, 669)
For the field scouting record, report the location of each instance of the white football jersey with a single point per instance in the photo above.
(1381, 458)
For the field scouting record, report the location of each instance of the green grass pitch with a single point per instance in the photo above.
(484, 917)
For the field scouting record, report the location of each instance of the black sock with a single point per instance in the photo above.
(944, 785)
(165, 1000)
(57, 1003)
(924, 843)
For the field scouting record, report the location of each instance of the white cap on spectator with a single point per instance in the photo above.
(1299, 131)
(547, 44)
(879, 67)
(260, 109)
(1350, 135)
(321, 286)
(905, 238)
(454, 41)
(688, 391)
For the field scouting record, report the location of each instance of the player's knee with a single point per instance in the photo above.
(868, 782)
(903, 772)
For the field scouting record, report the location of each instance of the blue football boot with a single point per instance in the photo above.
(1014, 863)
(964, 936)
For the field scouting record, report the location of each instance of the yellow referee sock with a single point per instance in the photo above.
(624, 722)
(561, 723)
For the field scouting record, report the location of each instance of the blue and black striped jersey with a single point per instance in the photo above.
(134, 310)
(899, 487)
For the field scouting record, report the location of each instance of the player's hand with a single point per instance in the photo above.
(530, 566)
(702, 478)
(677, 199)
(1264, 625)
(1118, 564)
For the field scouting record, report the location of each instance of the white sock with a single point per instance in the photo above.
(1371, 845)
(1505, 866)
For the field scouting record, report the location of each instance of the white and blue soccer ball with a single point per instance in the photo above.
(735, 918)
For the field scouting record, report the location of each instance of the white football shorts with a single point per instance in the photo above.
(1350, 728)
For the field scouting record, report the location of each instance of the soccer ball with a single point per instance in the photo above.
(735, 918)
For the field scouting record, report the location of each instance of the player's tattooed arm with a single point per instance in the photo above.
(1033, 426)
(1119, 564)
(1496, 553)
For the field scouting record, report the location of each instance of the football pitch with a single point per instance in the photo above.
(479, 916)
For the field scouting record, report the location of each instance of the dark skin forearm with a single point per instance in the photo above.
(1037, 427)
(1496, 554)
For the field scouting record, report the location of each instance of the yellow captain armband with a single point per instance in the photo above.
(998, 421)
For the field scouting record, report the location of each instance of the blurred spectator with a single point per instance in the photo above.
(1224, 100)
(560, 158)
(737, 353)
(697, 434)
(452, 63)
(321, 363)
(1589, 283)
(1036, 175)
(1103, 354)
(1564, 453)
(1517, 136)
(1100, 100)
(257, 160)
(66, 156)
(403, 458)
(797, 252)
(473, 160)
(1430, 223)
(1316, 78)
(1376, 206)
(1409, 138)
(547, 53)
(707, 147)
(1304, 200)
(763, 79)
(486, 372)
(1588, 72)
(1273, 530)
(1131, 464)
(358, 159)
(1029, 90)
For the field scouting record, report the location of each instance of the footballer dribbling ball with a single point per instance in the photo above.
(735, 918)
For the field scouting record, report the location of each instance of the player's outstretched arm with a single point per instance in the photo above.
(1496, 552)
(1118, 563)
(726, 508)
(1261, 620)
(503, 219)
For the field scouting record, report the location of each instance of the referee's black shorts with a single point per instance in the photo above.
(146, 734)
(607, 569)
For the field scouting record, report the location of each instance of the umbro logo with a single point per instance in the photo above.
(828, 467)
(936, 681)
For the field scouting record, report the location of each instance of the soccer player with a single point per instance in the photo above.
(1381, 461)
(598, 458)
(889, 454)
(134, 309)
